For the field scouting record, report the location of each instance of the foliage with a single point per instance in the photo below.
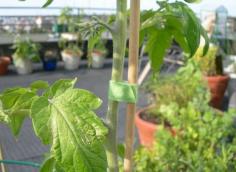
(177, 87)
(207, 62)
(25, 49)
(205, 142)
(172, 21)
(93, 30)
(70, 47)
(62, 117)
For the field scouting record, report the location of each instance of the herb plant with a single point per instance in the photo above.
(63, 115)
(204, 141)
(25, 49)
(176, 87)
(208, 62)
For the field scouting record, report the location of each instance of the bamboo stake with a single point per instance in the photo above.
(132, 78)
(1, 158)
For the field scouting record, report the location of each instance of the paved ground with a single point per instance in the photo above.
(27, 146)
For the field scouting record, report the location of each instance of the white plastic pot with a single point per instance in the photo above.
(229, 64)
(231, 85)
(97, 60)
(23, 66)
(71, 62)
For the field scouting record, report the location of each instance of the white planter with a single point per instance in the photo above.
(23, 66)
(228, 64)
(70, 62)
(231, 85)
(97, 60)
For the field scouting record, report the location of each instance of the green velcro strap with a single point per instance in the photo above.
(123, 92)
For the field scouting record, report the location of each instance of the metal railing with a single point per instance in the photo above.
(23, 19)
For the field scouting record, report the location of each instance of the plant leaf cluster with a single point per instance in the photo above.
(25, 49)
(177, 87)
(62, 117)
(172, 21)
(204, 142)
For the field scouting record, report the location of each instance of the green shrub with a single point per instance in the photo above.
(25, 49)
(204, 142)
(181, 87)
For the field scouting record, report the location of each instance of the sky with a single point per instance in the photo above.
(205, 5)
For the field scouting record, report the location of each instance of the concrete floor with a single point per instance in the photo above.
(27, 146)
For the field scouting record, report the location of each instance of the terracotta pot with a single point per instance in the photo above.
(147, 130)
(4, 62)
(218, 86)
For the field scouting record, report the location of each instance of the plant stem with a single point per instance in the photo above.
(119, 46)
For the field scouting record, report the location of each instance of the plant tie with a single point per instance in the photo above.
(122, 91)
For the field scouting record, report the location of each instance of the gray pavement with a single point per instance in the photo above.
(27, 146)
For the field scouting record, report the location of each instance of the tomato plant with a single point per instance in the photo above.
(64, 117)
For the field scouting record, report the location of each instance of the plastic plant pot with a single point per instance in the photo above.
(4, 62)
(50, 64)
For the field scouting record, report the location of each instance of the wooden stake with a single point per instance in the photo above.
(1, 158)
(132, 78)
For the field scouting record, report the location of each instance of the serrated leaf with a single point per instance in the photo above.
(41, 120)
(155, 20)
(156, 47)
(76, 133)
(59, 87)
(10, 96)
(15, 104)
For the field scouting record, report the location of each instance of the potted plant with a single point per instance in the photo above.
(63, 21)
(205, 141)
(98, 55)
(4, 62)
(64, 116)
(211, 66)
(71, 54)
(50, 60)
(25, 52)
(176, 88)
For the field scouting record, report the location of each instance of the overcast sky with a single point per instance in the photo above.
(146, 4)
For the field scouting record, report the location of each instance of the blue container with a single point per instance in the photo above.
(50, 64)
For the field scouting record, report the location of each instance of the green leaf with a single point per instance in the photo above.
(47, 3)
(50, 165)
(67, 121)
(41, 120)
(39, 85)
(15, 104)
(192, 1)
(191, 29)
(121, 151)
(207, 41)
(156, 47)
(59, 87)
